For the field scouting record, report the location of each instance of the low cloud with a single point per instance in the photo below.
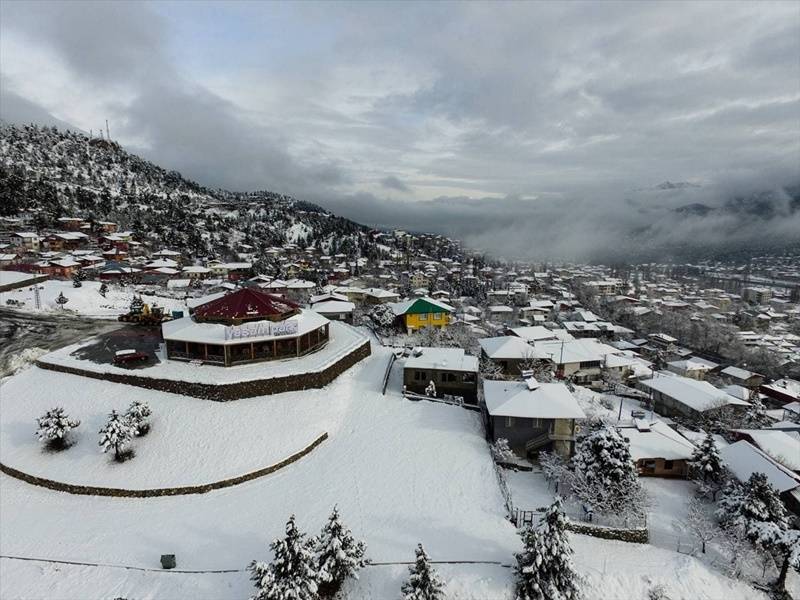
(393, 183)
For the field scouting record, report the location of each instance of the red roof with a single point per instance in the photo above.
(245, 304)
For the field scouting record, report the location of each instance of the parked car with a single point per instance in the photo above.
(122, 357)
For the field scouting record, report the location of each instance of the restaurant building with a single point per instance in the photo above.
(245, 326)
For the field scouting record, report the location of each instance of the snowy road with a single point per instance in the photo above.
(20, 331)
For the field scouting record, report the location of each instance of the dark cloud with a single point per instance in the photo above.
(521, 125)
(394, 183)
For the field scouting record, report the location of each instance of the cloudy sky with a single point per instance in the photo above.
(385, 111)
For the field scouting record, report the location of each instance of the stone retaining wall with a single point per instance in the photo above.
(228, 391)
(637, 536)
(88, 490)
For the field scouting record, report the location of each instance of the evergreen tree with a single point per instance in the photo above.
(756, 511)
(103, 289)
(117, 434)
(76, 280)
(604, 474)
(137, 415)
(292, 573)
(707, 462)
(339, 556)
(544, 568)
(54, 426)
(423, 581)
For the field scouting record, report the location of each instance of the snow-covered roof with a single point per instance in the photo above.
(778, 444)
(442, 359)
(334, 307)
(657, 441)
(743, 459)
(697, 395)
(693, 363)
(574, 351)
(187, 329)
(401, 308)
(508, 347)
(534, 333)
(516, 399)
(737, 373)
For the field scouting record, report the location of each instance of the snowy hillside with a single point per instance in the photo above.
(52, 174)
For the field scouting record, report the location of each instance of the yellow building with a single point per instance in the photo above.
(423, 312)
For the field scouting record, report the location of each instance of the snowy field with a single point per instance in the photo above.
(343, 339)
(401, 473)
(191, 441)
(85, 300)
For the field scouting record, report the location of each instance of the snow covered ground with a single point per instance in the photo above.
(85, 300)
(343, 339)
(191, 441)
(401, 473)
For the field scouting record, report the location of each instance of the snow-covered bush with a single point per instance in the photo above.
(423, 581)
(292, 574)
(430, 390)
(544, 569)
(553, 466)
(502, 452)
(339, 556)
(54, 426)
(117, 434)
(382, 316)
(137, 414)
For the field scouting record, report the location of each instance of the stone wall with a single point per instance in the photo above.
(636, 536)
(228, 391)
(88, 490)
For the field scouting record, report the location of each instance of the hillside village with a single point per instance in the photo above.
(382, 364)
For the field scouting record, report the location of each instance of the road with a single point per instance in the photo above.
(20, 331)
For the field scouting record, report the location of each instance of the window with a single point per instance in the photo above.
(468, 378)
(423, 317)
(448, 377)
(509, 421)
(437, 316)
(668, 464)
(420, 376)
(536, 423)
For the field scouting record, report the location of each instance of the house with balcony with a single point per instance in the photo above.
(532, 416)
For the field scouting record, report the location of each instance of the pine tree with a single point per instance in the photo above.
(292, 573)
(117, 434)
(423, 581)
(54, 426)
(103, 289)
(756, 511)
(544, 568)
(707, 462)
(339, 556)
(603, 472)
(76, 280)
(137, 415)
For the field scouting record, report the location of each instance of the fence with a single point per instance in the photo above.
(388, 372)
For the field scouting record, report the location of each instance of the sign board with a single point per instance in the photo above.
(260, 329)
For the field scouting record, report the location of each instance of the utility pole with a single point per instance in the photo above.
(108, 135)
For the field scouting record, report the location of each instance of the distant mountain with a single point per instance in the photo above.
(679, 185)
